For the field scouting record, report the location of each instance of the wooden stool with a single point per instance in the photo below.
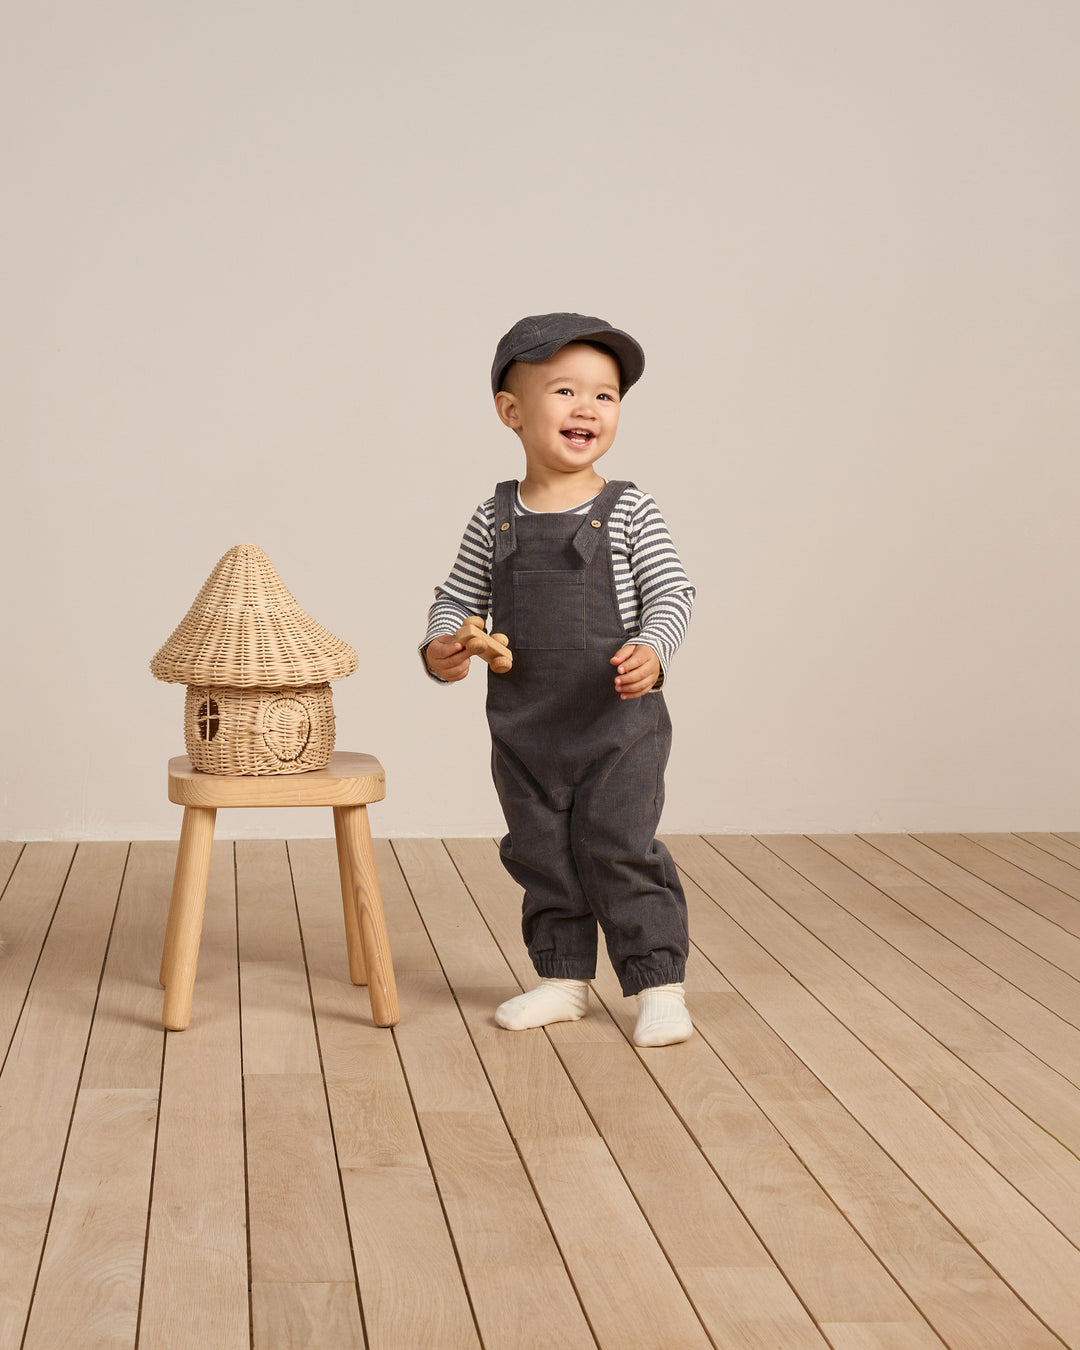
(347, 784)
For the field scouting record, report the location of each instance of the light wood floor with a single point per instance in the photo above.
(872, 1143)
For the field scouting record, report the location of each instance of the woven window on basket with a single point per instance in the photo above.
(208, 720)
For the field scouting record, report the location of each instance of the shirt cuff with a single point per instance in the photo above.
(644, 642)
(422, 649)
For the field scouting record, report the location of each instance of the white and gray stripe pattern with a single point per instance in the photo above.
(654, 594)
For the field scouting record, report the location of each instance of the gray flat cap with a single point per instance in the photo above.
(541, 335)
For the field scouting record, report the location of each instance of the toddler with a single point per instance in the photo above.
(583, 578)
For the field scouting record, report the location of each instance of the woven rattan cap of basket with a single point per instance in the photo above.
(245, 630)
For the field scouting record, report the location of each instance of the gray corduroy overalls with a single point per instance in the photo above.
(579, 772)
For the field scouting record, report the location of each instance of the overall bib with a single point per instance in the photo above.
(579, 772)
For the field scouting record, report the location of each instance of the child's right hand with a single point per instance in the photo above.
(447, 658)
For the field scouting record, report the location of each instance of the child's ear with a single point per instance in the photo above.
(506, 406)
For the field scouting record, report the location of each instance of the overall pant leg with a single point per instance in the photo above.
(627, 874)
(557, 921)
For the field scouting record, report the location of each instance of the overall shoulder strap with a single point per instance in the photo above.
(505, 516)
(596, 518)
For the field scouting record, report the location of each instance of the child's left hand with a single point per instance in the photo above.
(638, 670)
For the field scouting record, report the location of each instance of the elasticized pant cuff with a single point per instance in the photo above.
(640, 975)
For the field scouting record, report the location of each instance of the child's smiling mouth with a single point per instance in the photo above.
(576, 436)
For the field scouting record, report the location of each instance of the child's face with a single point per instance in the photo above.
(565, 409)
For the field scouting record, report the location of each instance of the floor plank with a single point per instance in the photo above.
(305, 1316)
(195, 1286)
(126, 1047)
(296, 1214)
(26, 911)
(41, 1074)
(278, 1028)
(91, 1275)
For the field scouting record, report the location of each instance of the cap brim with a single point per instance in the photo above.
(627, 352)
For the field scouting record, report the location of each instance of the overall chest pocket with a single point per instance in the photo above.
(549, 611)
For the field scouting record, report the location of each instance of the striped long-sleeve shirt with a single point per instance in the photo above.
(655, 596)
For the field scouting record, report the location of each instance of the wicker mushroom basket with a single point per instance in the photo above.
(257, 668)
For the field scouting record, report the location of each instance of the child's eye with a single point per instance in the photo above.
(564, 391)
(607, 396)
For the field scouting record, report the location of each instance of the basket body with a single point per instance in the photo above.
(229, 730)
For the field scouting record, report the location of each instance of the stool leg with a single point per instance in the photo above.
(184, 929)
(352, 826)
(184, 855)
(357, 964)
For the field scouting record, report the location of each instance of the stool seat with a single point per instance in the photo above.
(347, 784)
(350, 779)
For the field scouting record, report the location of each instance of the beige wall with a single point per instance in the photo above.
(256, 259)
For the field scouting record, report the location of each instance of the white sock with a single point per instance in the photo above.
(662, 1016)
(550, 1001)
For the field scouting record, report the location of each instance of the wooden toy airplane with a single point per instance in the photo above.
(489, 647)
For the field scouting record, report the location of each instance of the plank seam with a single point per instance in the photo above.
(11, 871)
